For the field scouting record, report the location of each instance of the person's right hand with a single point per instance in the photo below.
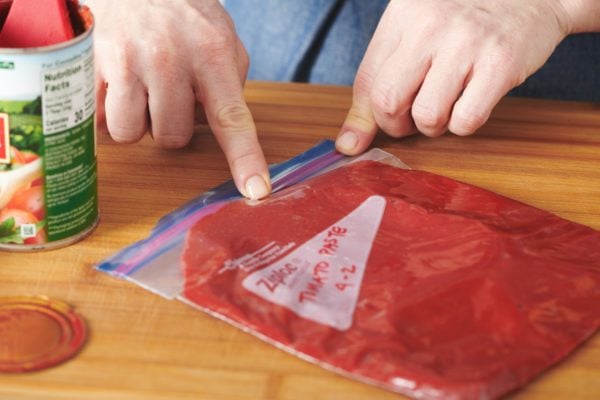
(157, 60)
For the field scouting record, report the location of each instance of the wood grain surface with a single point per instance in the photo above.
(142, 346)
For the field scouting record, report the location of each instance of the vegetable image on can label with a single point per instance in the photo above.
(22, 213)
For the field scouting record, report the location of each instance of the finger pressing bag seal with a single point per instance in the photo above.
(400, 278)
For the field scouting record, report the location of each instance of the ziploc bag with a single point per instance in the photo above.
(400, 278)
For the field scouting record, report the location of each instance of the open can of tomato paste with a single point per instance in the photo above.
(48, 178)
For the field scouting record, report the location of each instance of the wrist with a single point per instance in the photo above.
(583, 15)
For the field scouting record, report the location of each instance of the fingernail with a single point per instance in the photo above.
(347, 142)
(256, 188)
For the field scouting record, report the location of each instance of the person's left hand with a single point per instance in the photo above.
(437, 65)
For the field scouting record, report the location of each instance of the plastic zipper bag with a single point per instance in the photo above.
(400, 278)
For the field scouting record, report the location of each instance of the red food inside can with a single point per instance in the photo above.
(36, 23)
(4, 8)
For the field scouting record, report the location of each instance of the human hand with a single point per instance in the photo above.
(157, 60)
(436, 65)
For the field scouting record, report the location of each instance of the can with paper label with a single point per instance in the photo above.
(48, 178)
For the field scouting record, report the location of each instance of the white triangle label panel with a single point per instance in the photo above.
(320, 280)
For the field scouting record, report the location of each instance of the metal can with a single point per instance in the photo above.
(48, 176)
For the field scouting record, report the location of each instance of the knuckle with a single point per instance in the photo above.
(217, 42)
(427, 116)
(214, 55)
(124, 58)
(159, 56)
(501, 57)
(123, 52)
(503, 61)
(233, 116)
(364, 80)
(397, 128)
(430, 25)
(359, 119)
(385, 101)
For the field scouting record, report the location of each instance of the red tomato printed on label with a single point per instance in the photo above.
(31, 200)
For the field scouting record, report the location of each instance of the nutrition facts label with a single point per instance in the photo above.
(68, 105)
(68, 93)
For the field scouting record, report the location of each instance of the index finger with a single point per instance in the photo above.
(220, 90)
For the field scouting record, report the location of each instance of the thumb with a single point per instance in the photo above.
(359, 127)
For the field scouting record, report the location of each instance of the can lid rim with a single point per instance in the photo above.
(72, 328)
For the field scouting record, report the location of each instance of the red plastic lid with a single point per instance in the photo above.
(37, 333)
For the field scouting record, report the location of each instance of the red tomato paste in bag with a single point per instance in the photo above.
(405, 279)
